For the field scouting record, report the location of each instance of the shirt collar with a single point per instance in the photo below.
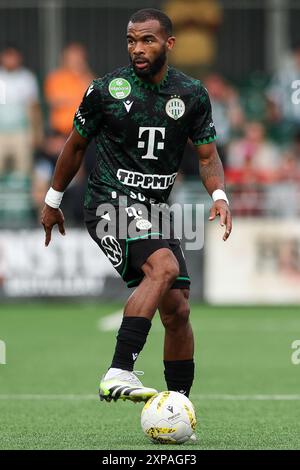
(149, 86)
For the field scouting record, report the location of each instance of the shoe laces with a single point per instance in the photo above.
(133, 377)
(138, 372)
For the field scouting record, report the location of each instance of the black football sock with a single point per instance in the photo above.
(179, 375)
(131, 338)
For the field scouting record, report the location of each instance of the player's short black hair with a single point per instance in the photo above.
(146, 14)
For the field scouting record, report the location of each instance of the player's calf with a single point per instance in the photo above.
(179, 342)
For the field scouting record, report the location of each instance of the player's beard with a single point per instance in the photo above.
(153, 68)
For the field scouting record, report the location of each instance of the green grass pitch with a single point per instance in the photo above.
(246, 392)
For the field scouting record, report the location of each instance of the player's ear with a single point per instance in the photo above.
(171, 42)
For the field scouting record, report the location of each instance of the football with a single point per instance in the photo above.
(169, 418)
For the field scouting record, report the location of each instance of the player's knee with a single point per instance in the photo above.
(164, 268)
(178, 318)
(166, 273)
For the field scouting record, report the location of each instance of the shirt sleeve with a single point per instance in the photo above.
(88, 116)
(203, 129)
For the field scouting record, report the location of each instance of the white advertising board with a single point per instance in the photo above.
(70, 266)
(259, 263)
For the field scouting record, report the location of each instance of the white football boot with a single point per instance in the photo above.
(125, 386)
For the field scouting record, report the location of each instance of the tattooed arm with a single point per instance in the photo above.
(211, 168)
(212, 175)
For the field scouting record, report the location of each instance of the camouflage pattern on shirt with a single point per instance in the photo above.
(141, 130)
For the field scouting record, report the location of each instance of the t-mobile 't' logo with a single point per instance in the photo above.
(151, 141)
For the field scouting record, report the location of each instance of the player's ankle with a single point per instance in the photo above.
(179, 375)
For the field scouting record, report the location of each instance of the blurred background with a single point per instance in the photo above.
(246, 52)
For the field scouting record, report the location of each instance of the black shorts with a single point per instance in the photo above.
(128, 253)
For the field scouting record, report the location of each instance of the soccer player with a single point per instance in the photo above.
(141, 117)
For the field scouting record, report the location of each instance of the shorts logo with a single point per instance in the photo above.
(175, 108)
(112, 250)
(119, 88)
(143, 224)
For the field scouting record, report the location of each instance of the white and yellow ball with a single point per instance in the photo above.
(169, 418)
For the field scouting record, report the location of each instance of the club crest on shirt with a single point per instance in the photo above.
(175, 108)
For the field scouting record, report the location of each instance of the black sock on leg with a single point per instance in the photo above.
(179, 375)
(131, 338)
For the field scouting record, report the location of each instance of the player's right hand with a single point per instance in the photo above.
(49, 218)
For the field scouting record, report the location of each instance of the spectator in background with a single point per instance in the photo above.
(228, 117)
(196, 23)
(283, 109)
(21, 126)
(253, 158)
(226, 110)
(44, 166)
(65, 87)
(283, 198)
(289, 169)
(43, 172)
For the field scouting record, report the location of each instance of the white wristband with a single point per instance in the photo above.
(53, 198)
(219, 194)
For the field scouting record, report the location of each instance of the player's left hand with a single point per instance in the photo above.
(221, 208)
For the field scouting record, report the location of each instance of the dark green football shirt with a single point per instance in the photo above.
(140, 132)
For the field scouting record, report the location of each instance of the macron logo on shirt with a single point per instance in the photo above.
(128, 105)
